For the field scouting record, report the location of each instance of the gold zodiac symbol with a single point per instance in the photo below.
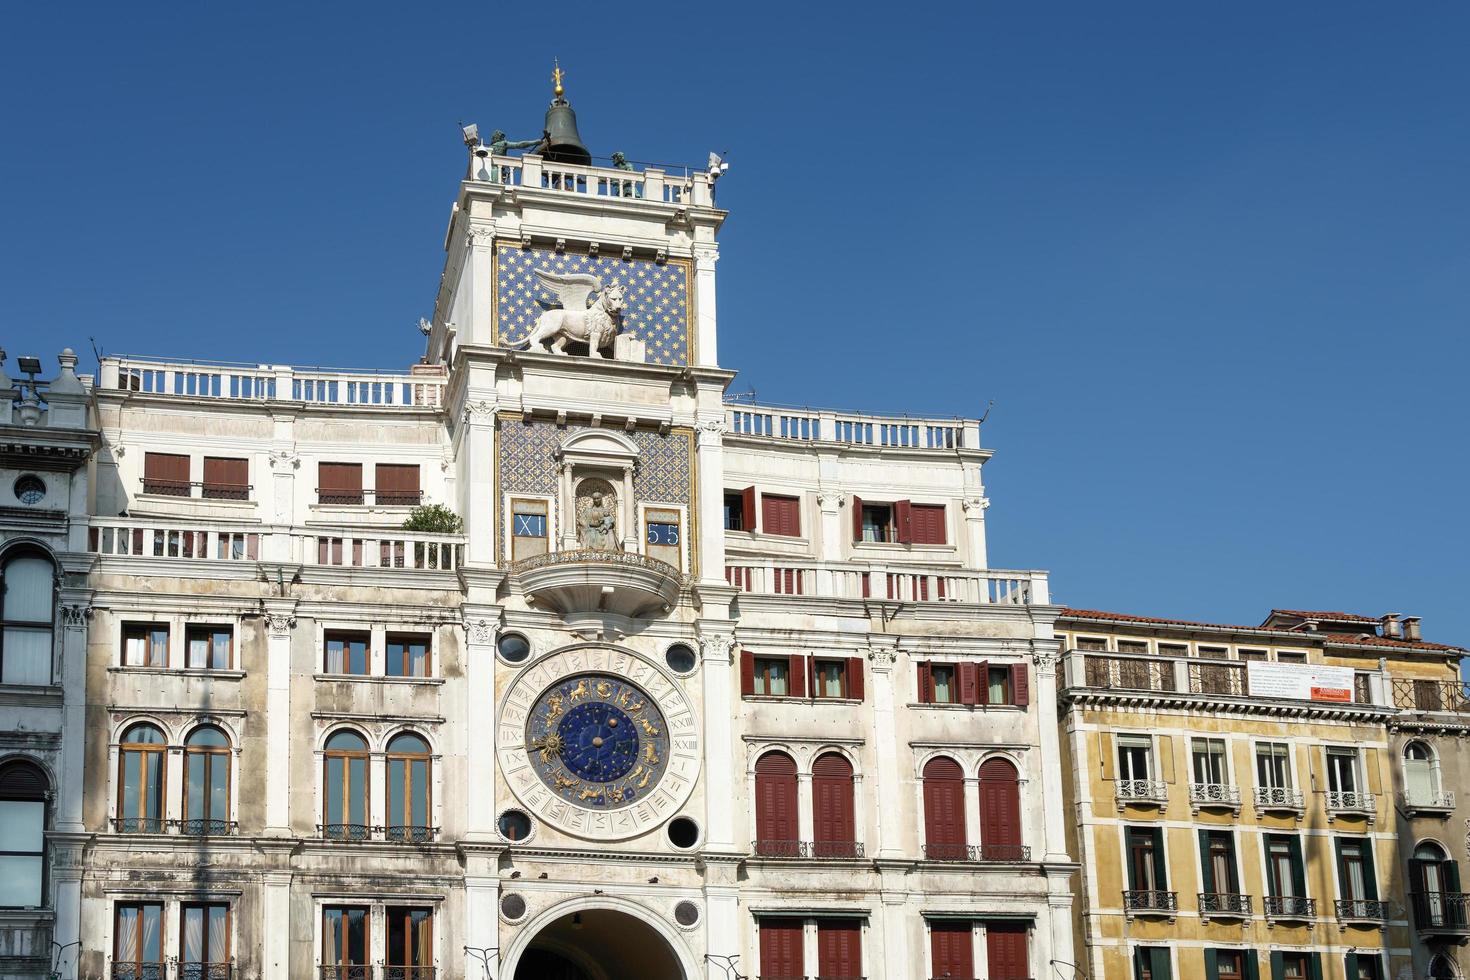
(579, 692)
(553, 707)
(648, 728)
(590, 794)
(616, 796)
(562, 782)
(647, 775)
(650, 755)
(623, 696)
(636, 706)
(603, 689)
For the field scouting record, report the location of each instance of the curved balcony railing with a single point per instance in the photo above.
(206, 971)
(1150, 901)
(1350, 802)
(580, 556)
(1278, 799)
(1290, 907)
(822, 850)
(138, 971)
(1441, 912)
(345, 831)
(1360, 909)
(346, 971)
(139, 825)
(1146, 791)
(1222, 904)
(1202, 795)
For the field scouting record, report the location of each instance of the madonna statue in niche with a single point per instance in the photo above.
(597, 516)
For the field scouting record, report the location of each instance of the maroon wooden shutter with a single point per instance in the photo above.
(832, 805)
(796, 675)
(747, 509)
(950, 945)
(227, 479)
(339, 483)
(775, 802)
(926, 683)
(781, 948)
(1005, 949)
(857, 518)
(166, 473)
(855, 687)
(927, 521)
(396, 483)
(982, 671)
(839, 948)
(903, 517)
(1000, 808)
(970, 684)
(780, 515)
(1020, 685)
(747, 672)
(944, 809)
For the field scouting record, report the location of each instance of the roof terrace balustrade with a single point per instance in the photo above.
(1410, 694)
(652, 184)
(771, 423)
(898, 582)
(196, 380)
(1107, 670)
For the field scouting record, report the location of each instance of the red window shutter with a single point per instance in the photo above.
(339, 482)
(796, 676)
(747, 509)
(982, 670)
(839, 948)
(396, 483)
(857, 518)
(781, 948)
(780, 515)
(166, 473)
(903, 517)
(926, 683)
(832, 803)
(1020, 685)
(775, 798)
(928, 523)
(970, 684)
(1005, 949)
(855, 687)
(231, 476)
(1000, 804)
(747, 672)
(944, 803)
(952, 949)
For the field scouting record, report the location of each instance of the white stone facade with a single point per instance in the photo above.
(261, 624)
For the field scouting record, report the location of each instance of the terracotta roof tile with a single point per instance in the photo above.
(1370, 640)
(1355, 639)
(1331, 617)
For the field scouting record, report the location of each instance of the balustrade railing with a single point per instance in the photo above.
(1278, 798)
(883, 432)
(381, 548)
(196, 380)
(140, 538)
(1129, 673)
(1141, 790)
(1366, 909)
(899, 583)
(1427, 799)
(1214, 795)
(1350, 801)
(1290, 907)
(1224, 904)
(1136, 900)
(1214, 677)
(1412, 694)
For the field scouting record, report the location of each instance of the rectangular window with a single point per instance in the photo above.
(1295, 966)
(663, 537)
(1342, 770)
(396, 485)
(1214, 653)
(1208, 758)
(1291, 657)
(209, 647)
(1229, 964)
(740, 509)
(1151, 963)
(408, 655)
(942, 684)
(839, 948)
(1133, 756)
(952, 948)
(22, 852)
(166, 473)
(1273, 765)
(1285, 873)
(204, 941)
(339, 483)
(1132, 646)
(1173, 650)
(1217, 863)
(410, 942)
(226, 479)
(1257, 655)
(998, 685)
(831, 677)
(878, 523)
(1093, 643)
(782, 953)
(528, 529)
(1355, 870)
(771, 676)
(1364, 966)
(145, 645)
(781, 515)
(926, 524)
(137, 939)
(1146, 859)
(344, 937)
(347, 653)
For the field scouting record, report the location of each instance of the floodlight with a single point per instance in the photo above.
(29, 365)
(471, 134)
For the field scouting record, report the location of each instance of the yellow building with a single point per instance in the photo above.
(1233, 798)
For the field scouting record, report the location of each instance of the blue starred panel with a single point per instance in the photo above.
(657, 301)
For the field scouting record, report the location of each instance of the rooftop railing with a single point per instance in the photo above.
(882, 431)
(898, 582)
(272, 383)
(650, 184)
(1412, 694)
(1123, 672)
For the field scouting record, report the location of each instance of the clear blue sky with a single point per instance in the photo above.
(1209, 260)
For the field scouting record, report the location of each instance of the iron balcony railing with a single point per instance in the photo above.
(1365, 909)
(1210, 677)
(1278, 798)
(345, 831)
(383, 498)
(137, 971)
(829, 850)
(410, 835)
(1441, 911)
(346, 971)
(1224, 903)
(1142, 791)
(368, 832)
(207, 490)
(1427, 800)
(1290, 907)
(1150, 900)
(139, 825)
(1214, 794)
(1430, 695)
(205, 827)
(1000, 853)
(1129, 673)
(1350, 801)
(206, 971)
(409, 972)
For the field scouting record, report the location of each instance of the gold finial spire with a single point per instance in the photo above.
(556, 75)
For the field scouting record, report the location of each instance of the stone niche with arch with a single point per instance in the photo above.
(593, 464)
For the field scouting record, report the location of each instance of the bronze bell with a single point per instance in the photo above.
(563, 142)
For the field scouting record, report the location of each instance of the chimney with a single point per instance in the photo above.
(1411, 629)
(1390, 623)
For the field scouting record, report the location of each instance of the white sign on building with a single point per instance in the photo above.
(1300, 682)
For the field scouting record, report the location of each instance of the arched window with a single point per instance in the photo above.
(944, 811)
(140, 778)
(1000, 812)
(1434, 880)
(206, 782)
(22, 834)
(345, 787)
(834, 826)
(408, 789)
(1442, 968)
(27, 612)
(776, 826)
(1421, 776)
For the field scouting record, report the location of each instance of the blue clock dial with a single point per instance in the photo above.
(597, 741)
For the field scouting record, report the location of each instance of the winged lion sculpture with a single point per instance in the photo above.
(596, 324)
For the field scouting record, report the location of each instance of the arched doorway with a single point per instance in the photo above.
(598, 944)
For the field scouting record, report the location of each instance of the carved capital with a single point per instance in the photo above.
(711, 431)
(74, 615)
(977, 504)
(285, 459)
(480, 235)
(479, 413)
(830, 499)
(479, 631)
(883, 658)
(1045, 661)
(279, 623)
(717, 647)
(705, 256)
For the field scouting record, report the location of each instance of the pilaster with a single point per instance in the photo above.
(481, 627)
(710, 467)
(717, 644)
(722, 919)
(885, 743)
(279, 620)
(1044, 657)
(705, 257)
(974, 509)
(477, 496)
(76, 609)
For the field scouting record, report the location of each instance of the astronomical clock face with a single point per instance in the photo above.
(598, 742)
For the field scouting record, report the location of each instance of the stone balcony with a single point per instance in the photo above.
(1093, 672)
(1436, 803)
(767, 423)
(898, 582)
(1350, 803)
(586, 582)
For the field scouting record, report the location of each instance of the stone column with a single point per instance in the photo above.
(974, 508)
(710, 464)
(66, 900)
(477, 495)
(275, 925)
(279, 620)
(706, 335)
(475, 282)
(481, 626)
(893, 923)
(1044, 697)
(972, 809)
(719, 755)
(76, 611)
(481, 928)
(885, 744)
(280, 505)
(805, 824)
